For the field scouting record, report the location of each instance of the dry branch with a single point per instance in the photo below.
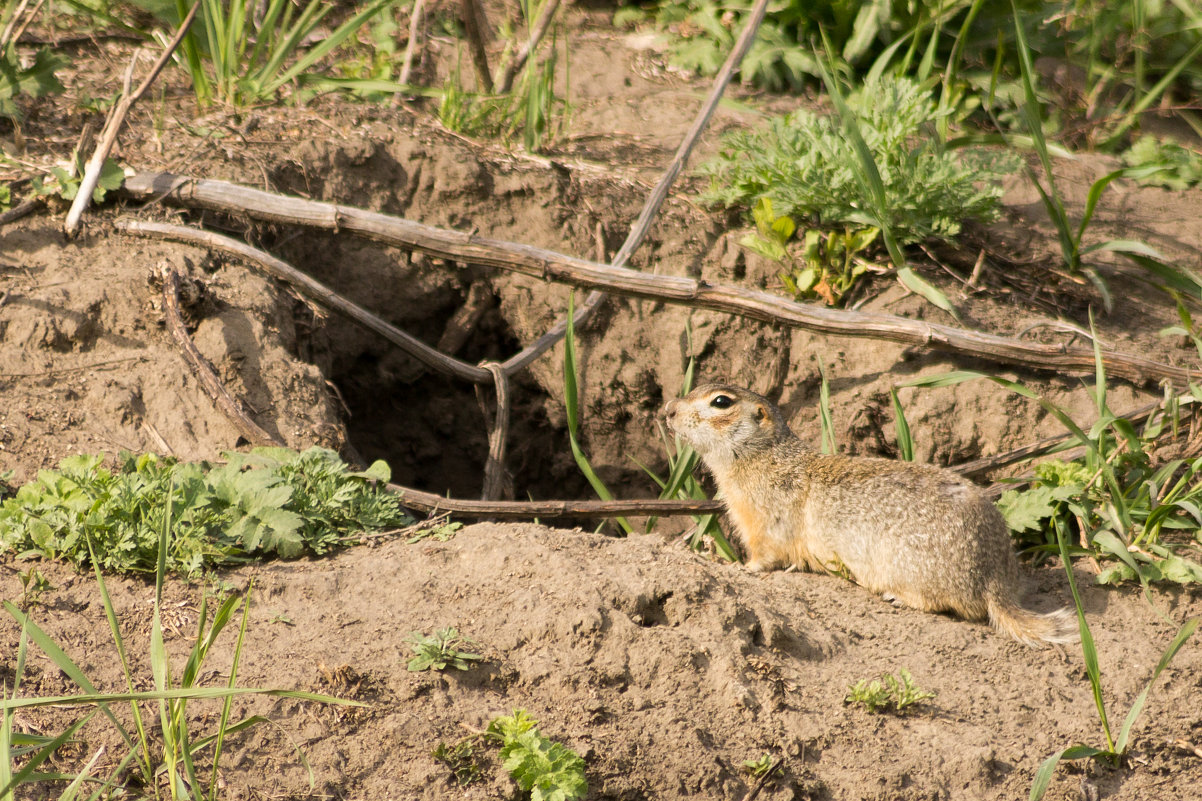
(552, 266)
(537, 32)
(474, 25)
(547, 510)
(315, 291)
(659, 194)
(200, 366)
(112, 127)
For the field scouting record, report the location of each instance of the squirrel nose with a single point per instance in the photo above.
(670, 411)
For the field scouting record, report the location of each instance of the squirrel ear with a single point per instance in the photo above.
(760, 412)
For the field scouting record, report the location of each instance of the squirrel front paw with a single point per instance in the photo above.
(757, 566)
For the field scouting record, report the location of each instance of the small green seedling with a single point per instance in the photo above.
(33, 585)
(442, 533)
(462, 759)
(759, 768)
(439, 650)
(878, 695)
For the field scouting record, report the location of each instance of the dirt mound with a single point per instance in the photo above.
(664, 670)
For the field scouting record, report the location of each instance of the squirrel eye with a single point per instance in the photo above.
(722, 402)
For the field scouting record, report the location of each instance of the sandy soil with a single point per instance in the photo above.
(665, 670)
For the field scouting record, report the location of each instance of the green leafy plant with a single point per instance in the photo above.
(1114, 749)
(462, 759)
(758, 768)
(888, 691)
(268, 501)
(175, 750)
(65, 182)
(35, 80)
(1173, 166)
(544, 768)
(827, 264)
(34, 585)
(440, 650)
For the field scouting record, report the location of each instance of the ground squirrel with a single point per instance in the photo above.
(919, 535)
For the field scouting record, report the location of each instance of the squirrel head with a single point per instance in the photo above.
(723, 422)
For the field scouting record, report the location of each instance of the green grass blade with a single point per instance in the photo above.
(905, 441)
(1088, 650)
(572, 410)
(824, 413)
(1047, 769)
(190, 693)
(1183, 634)
(223, 722)
(142, 748)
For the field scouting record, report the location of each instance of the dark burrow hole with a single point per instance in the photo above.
(429, 427)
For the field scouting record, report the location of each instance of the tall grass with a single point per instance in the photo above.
(1115, 748)
(237, 59)
(172, 752)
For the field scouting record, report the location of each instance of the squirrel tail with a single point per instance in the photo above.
(1030, 628)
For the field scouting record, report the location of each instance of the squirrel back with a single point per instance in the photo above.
(919, 535)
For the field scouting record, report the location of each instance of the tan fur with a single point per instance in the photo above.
(921, 535)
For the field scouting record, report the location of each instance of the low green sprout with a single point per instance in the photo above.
(440, 650)
(887, 692)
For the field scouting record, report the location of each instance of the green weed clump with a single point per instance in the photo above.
(807, 167)
(546, 769)
(439, 651)
(268, 501)
(703, 32)
(887, 692)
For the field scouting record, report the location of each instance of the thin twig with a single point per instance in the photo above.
(642, 225)
(472, 16)
(415, 35)
(494, 468)
(547, 510)
(551, 266)
(22, 210)
(315, 291)
(505, 82)
(112, 127)
(248, 428)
